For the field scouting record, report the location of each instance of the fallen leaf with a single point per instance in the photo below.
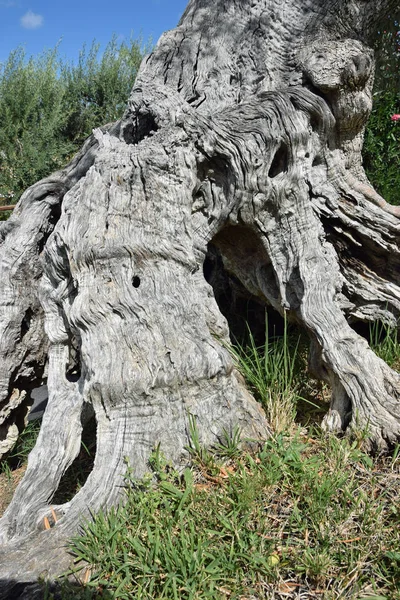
(273, 560)
(53, 514)
(288, 587)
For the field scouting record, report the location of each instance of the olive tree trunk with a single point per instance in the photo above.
(244, 130)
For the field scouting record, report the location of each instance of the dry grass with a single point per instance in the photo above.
(9, 479)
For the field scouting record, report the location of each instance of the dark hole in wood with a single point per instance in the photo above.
(246, 314)
(49, 225)
(315, 122)
(142, 126)
(317, 161)
(73, 370)
(26, 323)
(362, 328)
(136, 281)
(280, 161)
(77, 473)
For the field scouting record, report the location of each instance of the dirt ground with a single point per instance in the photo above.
(8, 482)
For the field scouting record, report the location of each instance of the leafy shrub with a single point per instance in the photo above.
(382, 136)
(31, 113)
(97, 88)
(48, 107)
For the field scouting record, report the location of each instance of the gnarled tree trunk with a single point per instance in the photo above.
(244, 130)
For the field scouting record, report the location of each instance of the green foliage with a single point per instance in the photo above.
(272, 375)
(310, 513)
(98, 87)
(382, 146)
(48, 107)
(384, 340)
(381, 151)
(19, 454)
(31, 111)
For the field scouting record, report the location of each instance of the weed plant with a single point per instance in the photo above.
(384, 340)
(305, 516)
(273, 374)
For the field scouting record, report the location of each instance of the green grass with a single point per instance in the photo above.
(385, 342)
(273, 373)
(306, 513)
(19, 454)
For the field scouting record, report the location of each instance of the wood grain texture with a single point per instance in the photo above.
(244, 130)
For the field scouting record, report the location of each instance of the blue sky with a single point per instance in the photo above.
(40, 24)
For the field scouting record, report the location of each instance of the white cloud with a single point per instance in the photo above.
(30, 20)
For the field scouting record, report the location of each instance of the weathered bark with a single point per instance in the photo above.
(244, 129)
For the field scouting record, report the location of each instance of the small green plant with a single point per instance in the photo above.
(19, 454)
(199, 454)
(384, 340)
(162, 468)
(229, 447)
(305, 512)
(272, 375)
(316, 564)
(396, 456)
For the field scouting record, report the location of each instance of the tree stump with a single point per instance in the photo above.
(244, 130)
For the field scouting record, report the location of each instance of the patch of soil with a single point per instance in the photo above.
(8, 483)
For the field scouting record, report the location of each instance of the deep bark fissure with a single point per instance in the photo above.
(78, 472)
(245, 313)
(279, 162)
(73, 369)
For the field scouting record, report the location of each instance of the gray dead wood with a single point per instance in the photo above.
(244, 130)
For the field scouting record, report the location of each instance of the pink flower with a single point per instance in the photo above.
(395, 117)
